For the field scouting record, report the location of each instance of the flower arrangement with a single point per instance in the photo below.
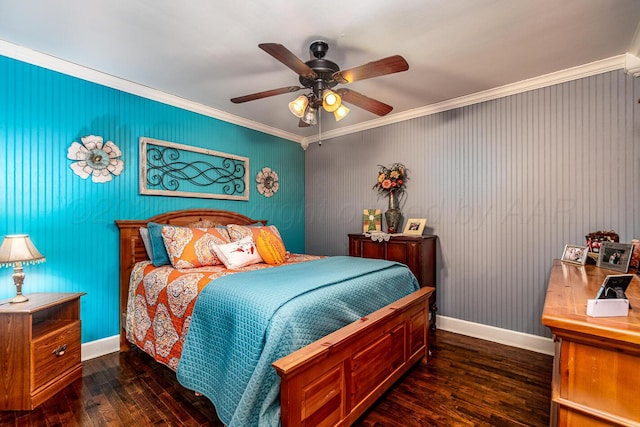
(391, 179)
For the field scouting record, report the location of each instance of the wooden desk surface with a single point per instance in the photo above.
(570, 286)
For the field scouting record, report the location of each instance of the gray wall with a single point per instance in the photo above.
(505, 184)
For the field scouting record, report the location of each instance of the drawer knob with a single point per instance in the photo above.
(60, 350)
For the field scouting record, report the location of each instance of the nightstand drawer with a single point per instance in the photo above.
(55, 353)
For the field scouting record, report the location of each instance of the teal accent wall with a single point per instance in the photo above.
(71, 220)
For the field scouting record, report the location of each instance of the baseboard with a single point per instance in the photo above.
(499, 335)
(101, 347)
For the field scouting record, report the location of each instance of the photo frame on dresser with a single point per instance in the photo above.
(414, 226)
(574, 254)
(614, 286)
(615, 256)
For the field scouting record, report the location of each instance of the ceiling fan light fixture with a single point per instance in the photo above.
(310, 116)
(299, 105)
(319, 76)
(341, 112)
(331, 101)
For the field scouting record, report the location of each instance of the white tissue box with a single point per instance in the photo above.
(614, 307)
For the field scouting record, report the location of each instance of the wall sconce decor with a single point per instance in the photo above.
(15, 251)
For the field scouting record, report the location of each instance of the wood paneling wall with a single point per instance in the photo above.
(505, 184)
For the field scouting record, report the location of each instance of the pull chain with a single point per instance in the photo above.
(319, 127)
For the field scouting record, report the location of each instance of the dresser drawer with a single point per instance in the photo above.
(55, 353)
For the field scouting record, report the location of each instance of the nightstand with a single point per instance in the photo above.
(40, 348)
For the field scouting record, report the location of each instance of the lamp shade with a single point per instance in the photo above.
(331, 101)
(341, 113)
(18, 249)
(298, 106)
(309, 116)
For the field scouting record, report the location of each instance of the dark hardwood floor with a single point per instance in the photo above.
(467, 382)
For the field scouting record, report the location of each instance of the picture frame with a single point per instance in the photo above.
(575, 254)
(414, 226)
(615, 256)
(371, 221)
(614, 286)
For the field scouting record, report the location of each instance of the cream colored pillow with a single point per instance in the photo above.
(238, 254)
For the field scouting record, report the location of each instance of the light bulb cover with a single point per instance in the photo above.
(331, 101)
(310, 116)
(298, 106)
(341, 112)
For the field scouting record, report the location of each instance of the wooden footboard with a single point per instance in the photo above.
(334, 380)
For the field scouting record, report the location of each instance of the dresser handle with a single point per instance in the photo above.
(60, 350)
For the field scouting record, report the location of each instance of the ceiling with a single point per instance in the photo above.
(207, 51)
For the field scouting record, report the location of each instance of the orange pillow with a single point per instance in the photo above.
(270, 247)
(192, 247)
(267, 239)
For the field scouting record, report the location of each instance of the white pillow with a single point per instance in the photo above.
(238, 254)
(144, 233)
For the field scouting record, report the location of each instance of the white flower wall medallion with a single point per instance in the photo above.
(95, 158)
(267, 180)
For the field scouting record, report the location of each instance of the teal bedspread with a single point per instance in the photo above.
(242, 323)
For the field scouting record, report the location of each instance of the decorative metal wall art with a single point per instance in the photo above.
(170, 169)
(267, 182)
(95, 158)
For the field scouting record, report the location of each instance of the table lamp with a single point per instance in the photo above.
(16, 250)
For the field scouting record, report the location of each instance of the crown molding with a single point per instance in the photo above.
(632, 65)
(75, 70)
(551, 79)
(629, 62)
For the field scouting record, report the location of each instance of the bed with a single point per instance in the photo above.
(330, 381)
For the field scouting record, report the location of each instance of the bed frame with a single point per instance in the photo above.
(335, 379)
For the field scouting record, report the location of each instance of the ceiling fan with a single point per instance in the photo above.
(321, 75)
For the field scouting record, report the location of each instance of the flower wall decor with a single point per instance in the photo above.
(95, 158)
(267, 180)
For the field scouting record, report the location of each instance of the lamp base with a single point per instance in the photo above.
(18, 299)
(18, 280)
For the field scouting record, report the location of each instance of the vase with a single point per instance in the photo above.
(393, 216)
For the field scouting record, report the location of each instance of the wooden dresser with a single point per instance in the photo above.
(596, 377)
(39, 348)
(417, 252)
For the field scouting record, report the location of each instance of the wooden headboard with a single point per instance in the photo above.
(132, 249)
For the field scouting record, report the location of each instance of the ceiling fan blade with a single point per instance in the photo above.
(265, 94)
(381, 67)
(372, 105)
(303, 124)
(285, 56)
